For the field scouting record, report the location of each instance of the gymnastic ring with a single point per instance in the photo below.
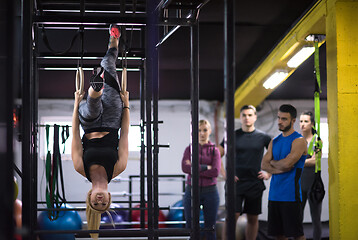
(79, 79)
(124, 80)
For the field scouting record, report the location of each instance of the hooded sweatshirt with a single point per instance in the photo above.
(208, 155)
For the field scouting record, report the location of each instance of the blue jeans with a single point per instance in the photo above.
(209, 198)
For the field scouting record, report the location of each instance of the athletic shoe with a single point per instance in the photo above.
(96, 81)
(114, 31)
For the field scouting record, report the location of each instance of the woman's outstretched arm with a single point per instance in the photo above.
(76, 147)
(121, 164)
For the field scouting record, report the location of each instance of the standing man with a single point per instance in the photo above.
(285, 159)
(250, 143)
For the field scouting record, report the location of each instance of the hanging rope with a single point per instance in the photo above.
(124, 51)
(47, 44)
(79, 72)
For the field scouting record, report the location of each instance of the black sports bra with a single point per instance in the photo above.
(101, 151)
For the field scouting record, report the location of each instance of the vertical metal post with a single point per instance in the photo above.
(34, 131)
(151, 76)
(130, 198)
(28, 182)
(229, 78)
(155, 131)
(6, 130)
(194, 74)
(142, 145)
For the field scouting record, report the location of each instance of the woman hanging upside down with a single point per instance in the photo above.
(100, 155)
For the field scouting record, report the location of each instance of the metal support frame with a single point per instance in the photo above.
(194, 75)
(29, 118)
(229, 79)
(6, 105)
(149, 95)
(151, 77)
(142, 146)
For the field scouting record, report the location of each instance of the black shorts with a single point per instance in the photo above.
(285, 219)
(246, 204)
(249, 197)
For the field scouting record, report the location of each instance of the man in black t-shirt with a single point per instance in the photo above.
(250, 144)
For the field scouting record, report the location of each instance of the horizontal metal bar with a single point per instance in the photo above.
(138, 222)
(83, 202)
(137, 180)
(125, 194)
(84, 209)
(71, 10)
(129, 69)
(162, 176)
(90, 6)
(163, 145)
(85, 58)
(120, 232)
(133, 54)
(94, 20)
(177, 21)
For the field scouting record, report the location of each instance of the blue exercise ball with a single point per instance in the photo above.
(67, 220)
(118, 216)
(178, 215)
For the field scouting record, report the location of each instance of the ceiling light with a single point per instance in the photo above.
(86, 58)
(85, 69)
(300, 57)
(275, 79)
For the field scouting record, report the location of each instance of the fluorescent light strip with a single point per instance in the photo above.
(275, 79)
(87, 58)
(88, 23)
(90, 28)
(300, 57)
(92, 11)
(85, 69)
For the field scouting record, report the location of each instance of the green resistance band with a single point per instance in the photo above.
(51, 178)
(317, 110)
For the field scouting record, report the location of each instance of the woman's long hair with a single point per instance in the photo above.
(93, 215)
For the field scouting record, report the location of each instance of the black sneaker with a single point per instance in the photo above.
(96, 81)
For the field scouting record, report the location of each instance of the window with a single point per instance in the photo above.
(324, 137)
(134, 139)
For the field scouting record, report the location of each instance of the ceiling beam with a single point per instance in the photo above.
(251, 91)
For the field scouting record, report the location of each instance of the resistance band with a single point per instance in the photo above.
(53, 168)
(51, 177)
(317, 191)
(317, 110)
(57, 157)
(65, 134)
